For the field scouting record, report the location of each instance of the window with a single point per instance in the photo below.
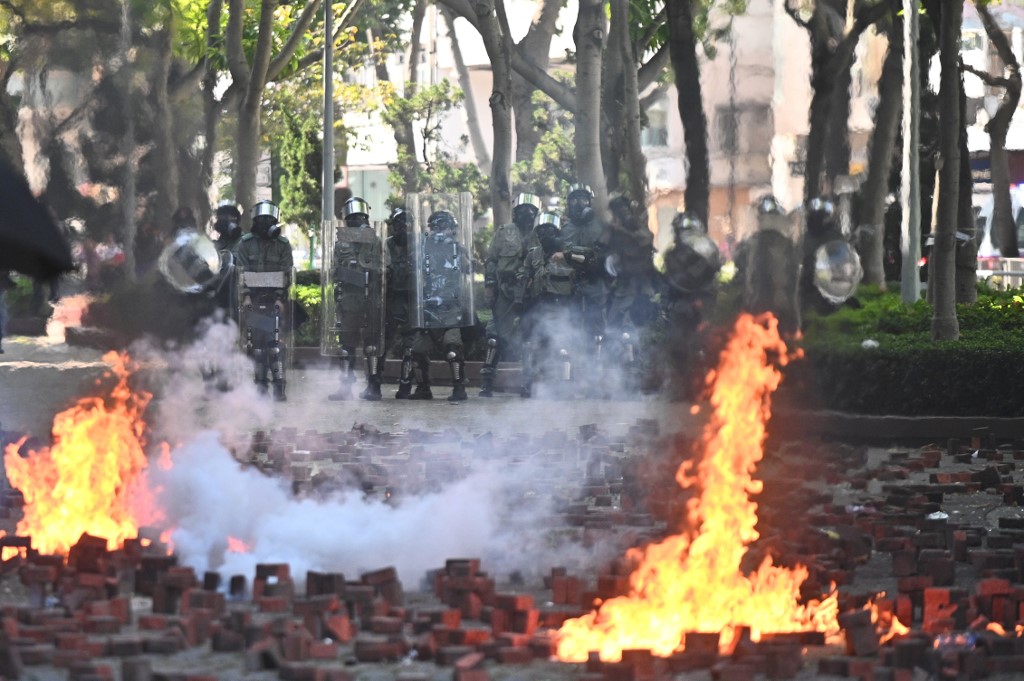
(655, 134)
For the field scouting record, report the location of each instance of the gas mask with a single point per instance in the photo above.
(579, 208)
(523, 216)
(265, 227)
(227, 226)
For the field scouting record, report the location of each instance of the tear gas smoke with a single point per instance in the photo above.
(495, 508)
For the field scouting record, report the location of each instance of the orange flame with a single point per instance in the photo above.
(92, 479)
(236, 545)
(693, 582)
(887, 625)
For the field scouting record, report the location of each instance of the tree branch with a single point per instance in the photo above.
(317, 55)
(302, 24)
(238, 67)
(261, 56)
(794, 14)
(986, 77)
(998, 38)
(648, 72)
(659, 20)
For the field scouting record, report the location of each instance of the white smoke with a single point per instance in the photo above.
(208, 496)
(500, 508)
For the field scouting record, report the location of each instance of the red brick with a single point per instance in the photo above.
(102, 624)
(514, 655)
(273, 604)
(991, 586)
(339, 628)
(376, 649)
(509, 601)
(386, 625)
(152, 622)
(319, 650)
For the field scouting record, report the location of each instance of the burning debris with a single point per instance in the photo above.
(776, 552)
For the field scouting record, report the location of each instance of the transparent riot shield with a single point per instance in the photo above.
(837, 270)
(191, 263)
(265, 318)
(442, 243)
(353, 286)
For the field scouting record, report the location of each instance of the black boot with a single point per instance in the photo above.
(373, 376)
(348, 378)
(279, 393)
(489, 370)
(405, 377)
(422, 391)
(458, 367)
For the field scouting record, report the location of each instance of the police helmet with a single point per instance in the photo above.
(821, 206)
(355, 206)
(548, 220)
(228, 208)
(441, 221)
(769, 205)
(687, 221)
(265, 215)
(398, 216)
(580, 188)
(527, 199)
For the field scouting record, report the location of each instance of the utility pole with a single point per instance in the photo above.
(910, 191)
(328, 150)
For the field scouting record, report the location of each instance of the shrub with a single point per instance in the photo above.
(908, 373)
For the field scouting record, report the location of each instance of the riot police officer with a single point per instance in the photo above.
(505, 283)
(264, 249)
(398, 329)
(586, 247)
(227, 223)
(443, 261)
(631, 247)
(691, 268)
(357, 271)
(769, 264)
(547, 323)
(821, 226)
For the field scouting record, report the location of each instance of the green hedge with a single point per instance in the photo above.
(908, 373)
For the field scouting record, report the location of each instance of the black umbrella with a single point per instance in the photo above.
(30, 240)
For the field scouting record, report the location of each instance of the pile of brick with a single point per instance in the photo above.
(956, 579)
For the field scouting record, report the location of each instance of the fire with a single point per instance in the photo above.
(236, 545)
(92, 480)
(692, 582)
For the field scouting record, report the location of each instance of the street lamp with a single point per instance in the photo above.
(327, 206)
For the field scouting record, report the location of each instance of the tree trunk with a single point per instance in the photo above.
(589, 35)
(499, 49)
(613, 104)
(166, 199)
(883, 144)
(535, 47)
(633, 154)
(942, 273)
(1004, 227)
(476, 138)
(837, 143)
(683, 48)
(247, 150)
(211, 107)
(966, 253)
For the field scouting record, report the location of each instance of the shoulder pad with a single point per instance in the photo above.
(284, 241)
(247, 236)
